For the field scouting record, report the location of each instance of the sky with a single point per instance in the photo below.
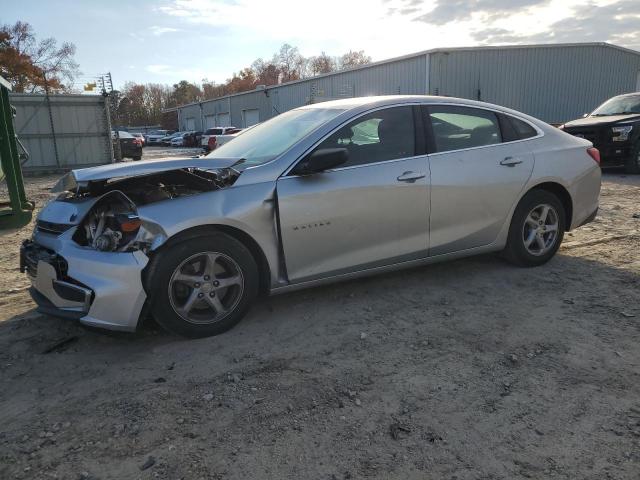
(164, 41)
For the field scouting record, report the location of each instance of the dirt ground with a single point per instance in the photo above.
(466, 370)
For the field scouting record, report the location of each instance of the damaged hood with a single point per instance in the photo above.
(81, 177)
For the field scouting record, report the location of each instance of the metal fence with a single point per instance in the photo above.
(63, 132)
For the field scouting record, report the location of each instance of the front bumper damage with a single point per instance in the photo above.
(82, 262)
(101, 289)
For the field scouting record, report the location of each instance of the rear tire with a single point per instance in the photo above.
(202, 286)
(135, 159)
(632, 165)
(537, 229)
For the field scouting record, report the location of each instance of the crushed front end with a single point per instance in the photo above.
(91, 244)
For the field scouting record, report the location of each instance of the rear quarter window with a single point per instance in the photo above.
(514, 129)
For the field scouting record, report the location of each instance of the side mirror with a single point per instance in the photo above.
(321, 160)
(585, 115)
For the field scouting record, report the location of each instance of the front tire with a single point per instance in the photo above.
(202, 286)
(537, 229)
(632, 165)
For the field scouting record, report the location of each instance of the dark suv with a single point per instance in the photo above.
(614, 129)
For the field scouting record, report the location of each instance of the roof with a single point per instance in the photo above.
(383, 100)
(262, 88)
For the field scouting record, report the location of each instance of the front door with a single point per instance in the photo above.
(372, 211)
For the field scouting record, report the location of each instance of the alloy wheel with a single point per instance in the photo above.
(206, 287)
(540, 230)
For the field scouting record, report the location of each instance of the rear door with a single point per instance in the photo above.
(477, 173)
(373, 211)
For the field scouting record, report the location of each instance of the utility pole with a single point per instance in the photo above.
(106, 85)
(53, 130)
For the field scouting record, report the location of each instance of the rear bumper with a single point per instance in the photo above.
(101, 289)
(131, 152)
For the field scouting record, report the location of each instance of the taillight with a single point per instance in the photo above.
(137, 141)
(212, 142)
(595, 154)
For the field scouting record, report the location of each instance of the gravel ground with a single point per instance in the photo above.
(472, 369)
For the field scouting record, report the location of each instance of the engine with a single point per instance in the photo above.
(111, 225)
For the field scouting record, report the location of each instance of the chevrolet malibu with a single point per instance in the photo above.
(318, 194)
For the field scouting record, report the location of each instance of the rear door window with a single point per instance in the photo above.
(458, 128)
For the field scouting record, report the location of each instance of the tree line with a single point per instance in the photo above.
(35, 66)
(142, 104)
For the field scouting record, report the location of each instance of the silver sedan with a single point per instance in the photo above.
(318, 194)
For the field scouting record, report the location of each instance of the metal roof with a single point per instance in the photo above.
(413, 55)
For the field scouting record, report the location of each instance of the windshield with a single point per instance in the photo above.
(266, 141)
(619, 106)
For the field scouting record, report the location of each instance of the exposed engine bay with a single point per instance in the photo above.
(112, 223)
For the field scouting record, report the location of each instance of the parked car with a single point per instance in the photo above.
(140, 137)
(181, 140)
(154, 138)
(222, 139)
(193, 139)
(166, 141)
(130, 146)
(614, 128)
(208, 140)
(325, 192)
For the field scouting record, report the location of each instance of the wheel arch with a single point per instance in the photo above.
(563, 195)
(243, 237)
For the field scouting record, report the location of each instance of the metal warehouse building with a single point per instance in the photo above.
(555, 83)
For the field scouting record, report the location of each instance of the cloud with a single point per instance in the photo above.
(252, 19)
(173, 71)
(447, 11)
(388, 28)
(158, 69)
(617, 22)
(157, 30)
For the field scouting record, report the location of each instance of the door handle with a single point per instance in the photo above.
(510, 161)
(411, 177)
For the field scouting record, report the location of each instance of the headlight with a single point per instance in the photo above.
(621, 134)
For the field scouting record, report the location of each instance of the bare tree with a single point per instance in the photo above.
(267, 73)
(323, 63)
(31, 65)
(353, 59)
(290, 63)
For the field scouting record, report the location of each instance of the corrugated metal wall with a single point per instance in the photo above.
(407, 76)
(553, 83)
(80, 135)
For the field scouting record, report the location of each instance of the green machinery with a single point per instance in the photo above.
(16, 212)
